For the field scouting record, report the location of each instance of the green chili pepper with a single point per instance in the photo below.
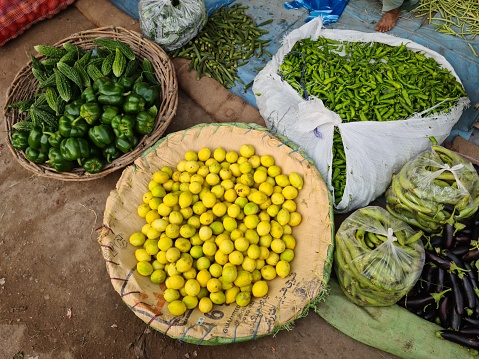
(101, 135)
(111, 152)
(58, 162)
(133, 103)
(68, 126)
(145, 123)
(35, 155)
(93, 165)
(123, 125)
(149, 93)
(19, 139)
(74, 148)
(91, 112)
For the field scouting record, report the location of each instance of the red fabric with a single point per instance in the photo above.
(18, 15)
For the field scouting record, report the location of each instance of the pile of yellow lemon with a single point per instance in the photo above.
(218, 227)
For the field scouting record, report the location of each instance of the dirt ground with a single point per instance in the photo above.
(56, 299)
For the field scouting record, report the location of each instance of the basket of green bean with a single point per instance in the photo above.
(359, 104)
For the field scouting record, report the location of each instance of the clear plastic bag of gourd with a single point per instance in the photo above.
(171, 23)
(378, 258)
(436, 187)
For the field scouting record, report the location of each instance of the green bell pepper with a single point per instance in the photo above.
(145, 122)
(35, 155)
(128, 81)
(73, 108)
(111, 153)
(88, 95)
(94, 152)
(133, 103)
(38, 140)
(149, 93)
(91, 112)
(58, 162)
(19, 139)
(123, 125)
(93, 165)
(108, 113)
(126, 144)
(110, 93)
(54, 138)
(74, 148)
(68, 126)
(100, 82)
(101, 135)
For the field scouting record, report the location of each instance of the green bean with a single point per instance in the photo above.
(461, 14)
(228, 40)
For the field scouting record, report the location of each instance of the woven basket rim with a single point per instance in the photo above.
(143, 47)
(306, 288)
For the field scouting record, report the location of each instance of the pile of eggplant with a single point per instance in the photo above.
(447, 293)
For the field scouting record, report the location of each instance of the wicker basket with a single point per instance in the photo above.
(288, 298)
(25, 84)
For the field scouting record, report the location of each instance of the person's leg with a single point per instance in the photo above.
(391, 10)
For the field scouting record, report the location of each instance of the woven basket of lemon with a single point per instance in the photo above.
(219, 233)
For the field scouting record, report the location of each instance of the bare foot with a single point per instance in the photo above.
(388, 20)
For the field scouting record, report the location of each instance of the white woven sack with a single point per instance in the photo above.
(374, 150)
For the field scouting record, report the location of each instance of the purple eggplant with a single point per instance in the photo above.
(456, 293)
(471, 255)
(443, 311)
(467, 340)
(438, 260)
(441, 274)
(448, 238)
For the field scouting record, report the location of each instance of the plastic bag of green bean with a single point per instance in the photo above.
(351, 114)
(378, 258)
(436, 187)
(171, 23)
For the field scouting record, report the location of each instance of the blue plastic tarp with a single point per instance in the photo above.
(131, 6)
(360, 15)
(329, 10)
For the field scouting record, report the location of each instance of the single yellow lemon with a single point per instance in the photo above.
(205, 305)
(177, 307)
(144, 268)
(243, 299)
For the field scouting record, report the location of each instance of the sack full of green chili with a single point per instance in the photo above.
(360, 104)
(378, 258)
(171, 23)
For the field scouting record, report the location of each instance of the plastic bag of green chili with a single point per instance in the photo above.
(360, 104)
(378, 258)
